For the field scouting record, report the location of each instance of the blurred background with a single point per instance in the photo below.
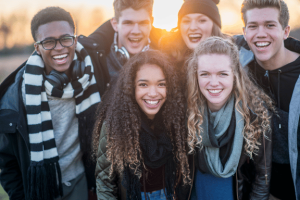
(16, 42)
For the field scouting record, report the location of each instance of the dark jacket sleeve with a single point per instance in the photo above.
(10, 176)
(263, 166)
(107, 187)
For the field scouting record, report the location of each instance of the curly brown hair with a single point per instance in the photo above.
(248, 97)
(122, 117)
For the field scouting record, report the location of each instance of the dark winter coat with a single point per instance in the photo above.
(14, 138)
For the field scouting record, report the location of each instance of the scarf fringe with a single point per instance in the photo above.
(43, 182)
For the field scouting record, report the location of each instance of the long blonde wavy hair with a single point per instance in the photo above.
(248, 97)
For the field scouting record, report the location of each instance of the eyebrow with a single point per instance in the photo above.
(144, 80)
(218, 71)
(58, 37)
(255, 22)
(131, 21)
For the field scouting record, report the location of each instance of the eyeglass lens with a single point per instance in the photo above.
(51, 43)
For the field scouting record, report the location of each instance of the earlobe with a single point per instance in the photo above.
(286, 32)
(244, 34)
(114, 24)
(36, 47)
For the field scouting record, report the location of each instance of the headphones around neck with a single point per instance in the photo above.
(123, 53)
(60, 80)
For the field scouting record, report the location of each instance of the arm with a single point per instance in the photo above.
(10, 176)
(107, 187)
(263, 166)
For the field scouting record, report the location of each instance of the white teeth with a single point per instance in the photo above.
(152, 102)
(262, 44)
(60, 56)
(195, 35)
(135, 39)
(215, 91)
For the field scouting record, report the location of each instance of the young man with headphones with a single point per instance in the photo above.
(46, 115)
(131, 24)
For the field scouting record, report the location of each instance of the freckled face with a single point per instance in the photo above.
(150, 89)
(215, 79)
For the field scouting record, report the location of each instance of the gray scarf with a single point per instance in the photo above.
(211, 152)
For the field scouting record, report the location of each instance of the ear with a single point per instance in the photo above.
(244, 33)
(287, 30)
(36, 47)
(114, 23)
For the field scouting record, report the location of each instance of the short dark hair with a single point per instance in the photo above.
(48, 15)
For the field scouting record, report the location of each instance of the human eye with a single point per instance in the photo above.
(203, 74)
(128, 22)
(185, 21)
(163, 84)
(270, 25)
(48, 44)
(202, 20)
(223, 74)
(142, 84)
(144, 23)
(252, 26)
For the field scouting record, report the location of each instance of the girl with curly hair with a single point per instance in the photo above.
(229, 125)
(140, 135)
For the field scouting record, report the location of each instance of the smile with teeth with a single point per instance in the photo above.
(58, 57)
(151, 102)
(135, 39)
(195, 37)
(215, 91)
(262, 44)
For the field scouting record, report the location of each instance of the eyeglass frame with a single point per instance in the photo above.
(41, 42)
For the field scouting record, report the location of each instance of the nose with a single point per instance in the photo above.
(152, 91)
(261, 32)
(136, 29)
(214, 81)
(58, 46)
(193, 25)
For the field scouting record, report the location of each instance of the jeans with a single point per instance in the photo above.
(156, 195)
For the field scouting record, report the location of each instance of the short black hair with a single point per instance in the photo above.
(48, 15)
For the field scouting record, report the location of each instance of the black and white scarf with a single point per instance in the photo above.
(44, 167)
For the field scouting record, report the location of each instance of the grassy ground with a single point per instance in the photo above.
(3, 195)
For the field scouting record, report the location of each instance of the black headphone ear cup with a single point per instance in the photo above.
(78, 69)
(57, 79)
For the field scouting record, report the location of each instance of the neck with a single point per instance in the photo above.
(282, 58)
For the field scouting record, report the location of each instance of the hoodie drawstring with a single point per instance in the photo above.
(278, 93)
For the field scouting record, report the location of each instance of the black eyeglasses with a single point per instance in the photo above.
(49, 44)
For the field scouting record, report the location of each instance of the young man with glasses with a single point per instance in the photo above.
(276, 68)
(46, 115)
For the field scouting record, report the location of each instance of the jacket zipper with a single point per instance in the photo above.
(192, 177)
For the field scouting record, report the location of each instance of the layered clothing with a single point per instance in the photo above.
(282, 85)
(29, 156)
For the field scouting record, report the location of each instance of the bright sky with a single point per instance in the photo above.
(164, 12)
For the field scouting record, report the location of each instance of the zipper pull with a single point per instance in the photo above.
(266, 177)
(279, 126)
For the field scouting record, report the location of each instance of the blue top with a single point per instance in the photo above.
(209, 187)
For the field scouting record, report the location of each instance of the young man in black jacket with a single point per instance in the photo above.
(276, 69)
(125, 35)
(46, 115)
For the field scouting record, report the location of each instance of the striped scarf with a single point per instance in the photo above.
(44, 167)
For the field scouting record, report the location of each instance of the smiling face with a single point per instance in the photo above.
(133, 27)
(150, 89)
(215, 79)
(195, 28)
(265, 35)
(59, 58)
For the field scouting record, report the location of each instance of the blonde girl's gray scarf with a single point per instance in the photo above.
(222, 141)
